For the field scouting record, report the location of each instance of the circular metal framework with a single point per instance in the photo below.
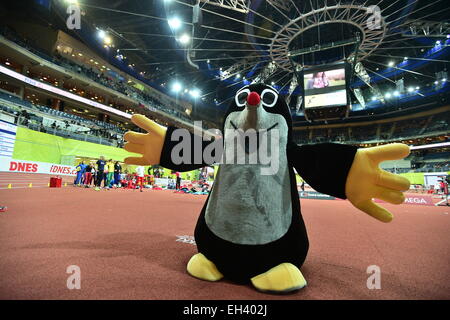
(357, 16)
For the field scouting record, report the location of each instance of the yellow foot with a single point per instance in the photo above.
(283, 278)
(200, 267)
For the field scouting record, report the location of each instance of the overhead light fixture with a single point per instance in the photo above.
(410, 89)
(176, 87)
(184, 39)
(107, 40)
(387, 95)
(101, 34)
(195, 93)
(417, 88)
(272, 83)
(396, 93)
(391, 63)
(374, 98)
(174, 23)
(238, 76)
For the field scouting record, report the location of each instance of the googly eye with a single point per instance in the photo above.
(269, 98)
(241, 97)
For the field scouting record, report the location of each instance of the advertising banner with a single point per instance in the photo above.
(314, 195)
(23, 166)
(8, 133)
(422, 200)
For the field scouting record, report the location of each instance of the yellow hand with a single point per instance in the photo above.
(148, 144)
(366, 180)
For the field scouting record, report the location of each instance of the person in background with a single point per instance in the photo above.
(93, 174)
(88, 175)
(81, 167)
(140, 177)
(100, 172)
(110, 174)
(117, 172)
(178, 177)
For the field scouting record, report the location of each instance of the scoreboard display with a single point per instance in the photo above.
(325, 88)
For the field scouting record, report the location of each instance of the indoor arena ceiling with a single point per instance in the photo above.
(234, 42)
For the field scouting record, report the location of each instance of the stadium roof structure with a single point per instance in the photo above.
(213, 47)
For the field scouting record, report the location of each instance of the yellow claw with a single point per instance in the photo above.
(149, 144)
(366, 180)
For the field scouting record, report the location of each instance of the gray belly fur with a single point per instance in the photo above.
(246, 207)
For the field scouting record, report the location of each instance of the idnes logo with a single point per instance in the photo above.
(23, 167)
(62, 170)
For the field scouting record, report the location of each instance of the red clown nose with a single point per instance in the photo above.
(253, 99)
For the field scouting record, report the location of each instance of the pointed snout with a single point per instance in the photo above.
(253, 99)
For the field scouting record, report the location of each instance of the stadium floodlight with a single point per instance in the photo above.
(195, 93)
(391, 63)
(176, 87)
(107, 40)
(174, 23)
(184, 39)
(101, 34)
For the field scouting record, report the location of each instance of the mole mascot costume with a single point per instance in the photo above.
(250, 229)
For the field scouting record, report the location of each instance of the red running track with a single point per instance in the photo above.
(23, 180)
(125, 243)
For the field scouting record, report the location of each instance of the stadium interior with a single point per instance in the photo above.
(72, 74)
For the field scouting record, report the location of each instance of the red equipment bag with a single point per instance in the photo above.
(55, 182)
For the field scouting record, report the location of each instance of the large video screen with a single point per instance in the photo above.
(325, 86)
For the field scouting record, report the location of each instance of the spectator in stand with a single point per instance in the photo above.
(100, 172)
(140, 176)
(117, 172)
